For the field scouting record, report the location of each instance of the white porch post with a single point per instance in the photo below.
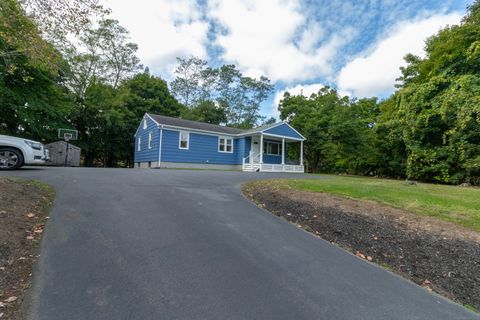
(301, 153)
(283, 151)
(261, 148)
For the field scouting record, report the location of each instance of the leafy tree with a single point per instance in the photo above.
(438, 105)
(207, 112)
(33, 100)
(238, 95)
(339, 131)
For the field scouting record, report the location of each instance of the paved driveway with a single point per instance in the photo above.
(165, 244)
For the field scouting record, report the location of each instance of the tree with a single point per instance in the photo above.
(207, 112)
(192, 82)
(339, 131)
(33, 99)
(437, 105)
(238, 95)
(59, 20)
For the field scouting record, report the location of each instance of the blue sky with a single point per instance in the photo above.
(301, 45)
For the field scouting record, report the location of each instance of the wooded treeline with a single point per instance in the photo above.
(66, 64)
(428, 130)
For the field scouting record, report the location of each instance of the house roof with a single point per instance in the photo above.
(196, 125)
(176, 122)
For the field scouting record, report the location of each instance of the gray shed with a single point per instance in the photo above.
(57, 154)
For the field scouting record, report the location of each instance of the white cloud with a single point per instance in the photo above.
(261, 37)
(163, 30)
(374, 72)
(306, 90)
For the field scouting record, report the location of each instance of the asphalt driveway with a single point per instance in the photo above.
(178, 244)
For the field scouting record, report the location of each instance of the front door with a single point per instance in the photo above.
(255, 148)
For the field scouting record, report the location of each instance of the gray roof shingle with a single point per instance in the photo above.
(176, 122)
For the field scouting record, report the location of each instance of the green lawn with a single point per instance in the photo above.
(456, 204)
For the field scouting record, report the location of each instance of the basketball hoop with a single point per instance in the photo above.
(67, 135)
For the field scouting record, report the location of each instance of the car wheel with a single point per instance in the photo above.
(10, 159)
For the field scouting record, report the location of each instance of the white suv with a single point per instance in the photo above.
(16, 152)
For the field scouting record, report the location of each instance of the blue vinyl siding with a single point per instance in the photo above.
(283, 130)
(146, 154)
(202, 149)
(243, 150)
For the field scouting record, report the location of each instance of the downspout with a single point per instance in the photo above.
(160, 147)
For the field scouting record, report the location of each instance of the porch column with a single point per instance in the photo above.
(261, 148)
(301, 153)
(283, 151)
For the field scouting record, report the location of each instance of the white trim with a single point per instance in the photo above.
(139, 144)
(279, 136)
(145, 124)
(160, 147)
(180, 140)
(261, 148)
(150, 140)
(141, 122)
(225, 138)
(301, 153)
(283, 151)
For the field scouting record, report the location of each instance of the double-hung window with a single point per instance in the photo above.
(184, 140)
(225, 144)
(150, 140)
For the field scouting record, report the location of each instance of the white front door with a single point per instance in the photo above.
(255, 148)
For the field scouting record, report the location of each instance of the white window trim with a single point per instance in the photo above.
(180, 140)
(150, 140)
(279, 148)
(139, 144)
(145, 123)
(225, 139)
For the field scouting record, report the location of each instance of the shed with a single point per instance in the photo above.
(57, 154)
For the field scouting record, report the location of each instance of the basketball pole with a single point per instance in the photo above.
(66, 155)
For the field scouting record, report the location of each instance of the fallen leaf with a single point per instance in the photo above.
(2, 304)
(29, 238)
(38, 230)
(11, 299)
(369, 258)
(360, 255)
(30, 215)
(22, 258)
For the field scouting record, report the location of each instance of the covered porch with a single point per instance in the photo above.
(269, 153)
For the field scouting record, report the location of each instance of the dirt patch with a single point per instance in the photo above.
(438, 255)
(23, 207)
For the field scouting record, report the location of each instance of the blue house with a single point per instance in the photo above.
(165, 142)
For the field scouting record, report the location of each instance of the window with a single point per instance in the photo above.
(225, 144)
(184, 140)
(272, 148)
(139, 144)
(145, 123)
(150, 140)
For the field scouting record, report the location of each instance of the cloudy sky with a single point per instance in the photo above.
(355, 46)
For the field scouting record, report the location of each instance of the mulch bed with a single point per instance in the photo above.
(438, 255)
(23, 207)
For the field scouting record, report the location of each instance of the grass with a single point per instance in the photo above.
(455, 204)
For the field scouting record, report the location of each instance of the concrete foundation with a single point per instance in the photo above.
(178, 165)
